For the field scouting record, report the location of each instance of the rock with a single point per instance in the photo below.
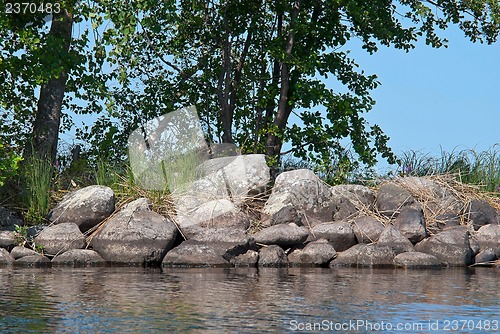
(79, 258)
(474, 246)
(367, 229)
(249, 259)
(9, 219)
(339, 234)
(349, 199)
(488, 236)
(85, 207)
(391, 198)
(59, 238)
(363, 255)
(417, 260)
(19, 252)
(283, 235)
(272, 256)
(135, 235)
(203, 254)
(318, 253)
(485, 255)
(214, 214)
(37, 260)
(296, 194)
(395, 240)
(5, 257)
(481, 213)
(223, 235)
(451, 246)
(446, 220)
(411, 223)
(438, 199)
(7, 240)
(244, 175)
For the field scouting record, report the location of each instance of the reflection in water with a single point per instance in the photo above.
(132, 300)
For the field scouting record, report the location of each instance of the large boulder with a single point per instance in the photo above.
(85, 207)
(391, 198)
(7, 239)
(79, 258)
(5, 257)
(417, 260)
(37, 260)
(249, 259)
(203, 254)
(339, 234)
(243, 175)
(481, 213)
(215, 234)
(349, 199)
(411, 223)
(272, 256)
(317, 253)
(395, 240)
(488, 236)
(367, 229)
(298, 196)
(363, 255)
(283, 235)
(135, 235)
(220, 213)
(59, 238)
(451, 246)
(19, 252)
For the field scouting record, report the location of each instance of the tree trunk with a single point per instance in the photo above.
(274, 139)
(45, 133)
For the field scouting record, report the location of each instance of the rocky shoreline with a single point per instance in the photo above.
(408, 222)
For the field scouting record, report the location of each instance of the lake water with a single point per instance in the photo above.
(145, 300)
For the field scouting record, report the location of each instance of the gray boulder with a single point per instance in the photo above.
(451, 246)
(79, 258)
(339, 234)
(391, 198)
(135, 235)
(481, 213)
(485, 255)
(317, 253)
(283, 235)
(417, 260)
(272, 256)
(349, 199)
(411, 222)
(249, 259)
(5, 257)
(85, 207)
(394, 239)
(59, 238)
(203, 254)
(221, 213)
(37, 260)
(19, 252)
(363, 255)
(7, 239)
(367, 229)
(223, 235)
(488, 236)
(298, 196)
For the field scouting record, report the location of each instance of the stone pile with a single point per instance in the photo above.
(304, 222)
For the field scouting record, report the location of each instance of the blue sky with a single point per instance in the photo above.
(437, 98)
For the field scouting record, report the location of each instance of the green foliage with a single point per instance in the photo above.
(9, 163)
(38, 177)
(469, 166)
(21, 233)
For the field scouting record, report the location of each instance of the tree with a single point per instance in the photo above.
(250, 65)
